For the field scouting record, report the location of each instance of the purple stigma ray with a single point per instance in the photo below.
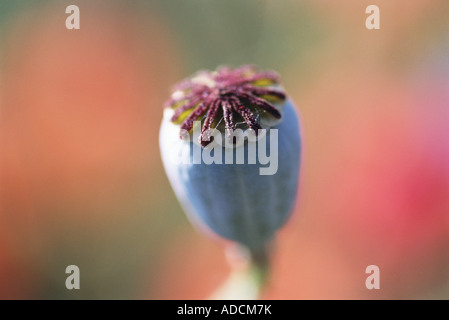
(211, 115)
(228, 117)
(246, 114)
(252, 99)
(189, 105)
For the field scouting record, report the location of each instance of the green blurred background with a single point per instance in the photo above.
(81, 180)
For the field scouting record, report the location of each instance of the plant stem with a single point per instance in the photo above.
(247, 279)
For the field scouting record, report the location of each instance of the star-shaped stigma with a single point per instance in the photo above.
(232, 95)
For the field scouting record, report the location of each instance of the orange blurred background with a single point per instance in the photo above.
(81, 180)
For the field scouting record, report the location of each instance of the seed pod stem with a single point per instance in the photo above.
(249, 274)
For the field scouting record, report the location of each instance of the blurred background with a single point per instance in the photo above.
(81, 180)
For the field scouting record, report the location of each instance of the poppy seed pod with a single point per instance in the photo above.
(230, 144)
